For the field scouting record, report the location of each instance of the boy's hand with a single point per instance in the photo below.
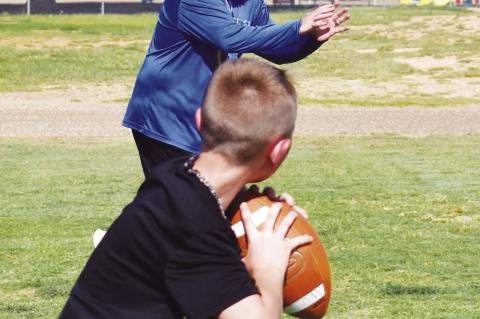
(269, 250)
(284, 197)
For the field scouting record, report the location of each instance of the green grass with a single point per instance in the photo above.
(79, 48)
(400, 217)
(389, 210)
(78, 26)
(44, 51)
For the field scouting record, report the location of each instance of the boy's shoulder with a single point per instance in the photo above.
(176, 197)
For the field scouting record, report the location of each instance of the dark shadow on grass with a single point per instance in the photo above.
(49, 292)
(399, 290)
(16, 308)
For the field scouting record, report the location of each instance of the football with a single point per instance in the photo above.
(307, 286)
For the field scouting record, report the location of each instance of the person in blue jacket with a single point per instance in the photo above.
(191, 39)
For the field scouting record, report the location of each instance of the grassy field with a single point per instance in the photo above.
(381, 62)
(400, 218)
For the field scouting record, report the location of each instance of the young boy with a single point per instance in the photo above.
(172, 253)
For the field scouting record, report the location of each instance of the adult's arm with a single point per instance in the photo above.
(305, 45)
(211, 21)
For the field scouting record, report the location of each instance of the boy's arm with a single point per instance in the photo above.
(206, 277)
(267, 261)
(253, 307)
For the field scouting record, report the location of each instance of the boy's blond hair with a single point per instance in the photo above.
(248, 105)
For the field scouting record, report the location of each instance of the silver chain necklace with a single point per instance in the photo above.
(189, 166)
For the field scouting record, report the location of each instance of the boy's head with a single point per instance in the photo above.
(249, 113)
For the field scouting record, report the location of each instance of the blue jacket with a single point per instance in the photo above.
(191, 38)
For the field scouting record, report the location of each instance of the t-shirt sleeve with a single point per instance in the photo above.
(207, 275)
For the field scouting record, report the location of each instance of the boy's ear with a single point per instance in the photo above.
(198, 118)
(279, 151)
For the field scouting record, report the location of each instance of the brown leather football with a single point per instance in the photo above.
(307, 281)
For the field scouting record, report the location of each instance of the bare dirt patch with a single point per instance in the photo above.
(98, 111)
(38, 43)
(409, 121)
(63, 42)
(414, 84)
(417, 27)
(76, 111)
(426, 63)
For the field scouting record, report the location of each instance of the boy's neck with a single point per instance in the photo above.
(222, 174)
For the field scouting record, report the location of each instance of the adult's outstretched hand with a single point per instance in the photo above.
(317, 18)
(332, 25)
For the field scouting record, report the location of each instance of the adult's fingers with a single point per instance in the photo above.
(339, 15)
(269, 192)
(284, 226)
(298, 241)
(272, 217)
(322, 16)
(254, 189)
(247, 221)
(320, 23)
(325, 28)
(323, 9)
(326, 36)
(342, 11)
(342, 19)
(331, 34)
(342, 29)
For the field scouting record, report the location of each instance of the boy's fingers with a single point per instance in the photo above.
(301, 211)
(287, 198)
(295, 242)
(247, 221)
(284, 226)
(272, 217)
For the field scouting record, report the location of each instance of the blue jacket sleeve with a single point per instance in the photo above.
(305, 45)
(212, 22)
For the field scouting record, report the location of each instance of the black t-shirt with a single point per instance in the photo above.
(170, 254)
